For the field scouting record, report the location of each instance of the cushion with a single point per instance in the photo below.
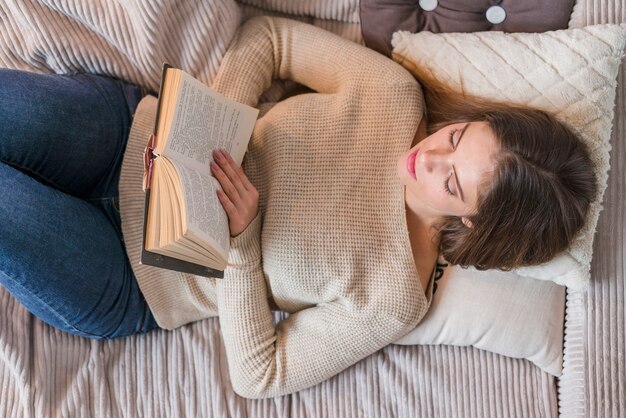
(469, 307)
(380, 18)
(570, 73)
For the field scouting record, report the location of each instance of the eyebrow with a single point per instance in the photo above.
(456, 177)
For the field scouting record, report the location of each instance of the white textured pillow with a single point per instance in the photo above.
(498, 312)
(570, 73)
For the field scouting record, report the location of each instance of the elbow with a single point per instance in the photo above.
(251, 385)
(409, 312)
(244, 391)
(249, 392)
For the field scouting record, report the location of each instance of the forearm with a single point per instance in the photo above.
(245, 316)
(267, 48)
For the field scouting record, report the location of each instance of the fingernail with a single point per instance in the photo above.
(218, 156)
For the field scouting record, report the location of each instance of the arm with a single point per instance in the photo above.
(306, 348)
(314, 344)
(268, 48)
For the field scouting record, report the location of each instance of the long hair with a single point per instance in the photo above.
(539, 195)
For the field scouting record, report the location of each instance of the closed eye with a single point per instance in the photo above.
(446, 183)
(451, 137)
(456, 177)
(446, 186)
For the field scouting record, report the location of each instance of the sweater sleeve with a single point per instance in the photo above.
(304, 349)
(268, 48)
(314, 344)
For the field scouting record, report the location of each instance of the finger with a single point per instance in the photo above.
(227, 186)
(245, 181)
(229, 207)
(230, 168)
(239, 170)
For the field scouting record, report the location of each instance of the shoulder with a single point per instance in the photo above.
(396, 308)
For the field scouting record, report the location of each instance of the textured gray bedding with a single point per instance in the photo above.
(593, 383)
(47, 373)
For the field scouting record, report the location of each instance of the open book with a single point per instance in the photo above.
(185, 225)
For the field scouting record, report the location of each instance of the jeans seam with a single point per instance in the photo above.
(99, 199)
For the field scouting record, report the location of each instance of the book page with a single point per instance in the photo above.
(204, 212)
(205, 120)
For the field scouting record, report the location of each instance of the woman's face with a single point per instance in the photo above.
(443, 173)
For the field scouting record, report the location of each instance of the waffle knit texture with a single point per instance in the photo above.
(330, 244)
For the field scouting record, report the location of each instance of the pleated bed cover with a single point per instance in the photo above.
(47, 373)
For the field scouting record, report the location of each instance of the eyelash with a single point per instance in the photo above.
(451, 137)
(446, 183)
(446, 187)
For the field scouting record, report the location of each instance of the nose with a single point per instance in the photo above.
(436, 160)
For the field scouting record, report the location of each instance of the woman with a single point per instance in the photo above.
(338, 217)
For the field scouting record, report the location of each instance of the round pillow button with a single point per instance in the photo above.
(428, 5)
(496, 15)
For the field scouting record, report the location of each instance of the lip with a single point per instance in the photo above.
(410, 163)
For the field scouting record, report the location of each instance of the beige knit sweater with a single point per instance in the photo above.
(330, 244)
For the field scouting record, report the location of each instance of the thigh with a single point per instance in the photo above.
(65, 262)
(67, 131)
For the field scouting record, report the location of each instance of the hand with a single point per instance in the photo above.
(239, 197)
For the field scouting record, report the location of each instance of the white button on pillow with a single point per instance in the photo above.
(495, 15)
(428, 5)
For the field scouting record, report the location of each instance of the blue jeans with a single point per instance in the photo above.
(62, 255)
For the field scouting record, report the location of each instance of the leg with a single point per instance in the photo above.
(67, 131)
(64, 261)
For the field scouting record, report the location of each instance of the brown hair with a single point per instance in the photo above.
(540, 193)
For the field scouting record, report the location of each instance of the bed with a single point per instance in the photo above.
(47, 373)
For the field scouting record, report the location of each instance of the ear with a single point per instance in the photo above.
(467, 222)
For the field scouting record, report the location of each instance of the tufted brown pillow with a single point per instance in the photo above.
(380, 18)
